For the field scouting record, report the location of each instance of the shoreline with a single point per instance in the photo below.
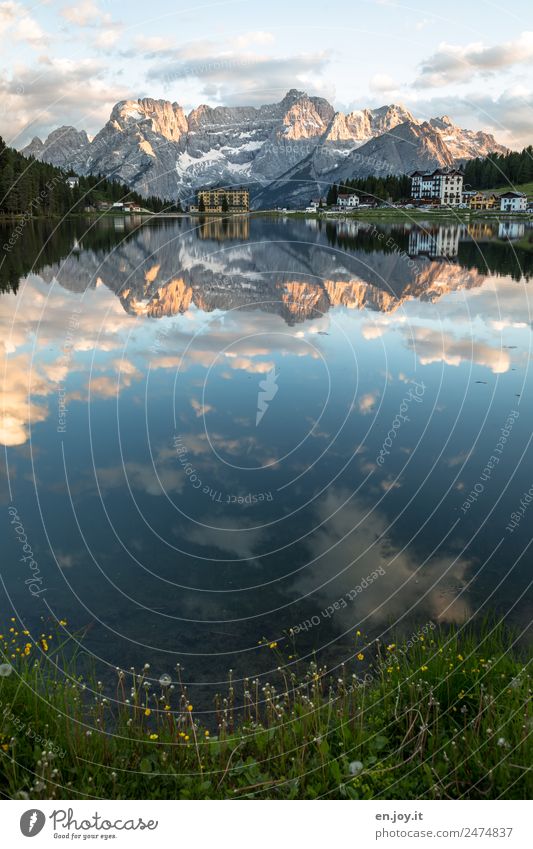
(458, 216)
(444, 714)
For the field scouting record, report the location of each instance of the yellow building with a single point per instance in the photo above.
(220, 229)
(477, 200)
(224, 200)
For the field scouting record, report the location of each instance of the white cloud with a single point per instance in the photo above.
(55, 92)
(231, 74)
(367, 402)
(352, 542)
(432, 348)
(456, 64)
(382, 83)
(249, 38)
(83, 14)
(16, 22)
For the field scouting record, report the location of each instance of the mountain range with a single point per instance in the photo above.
(280, 266)
(285, 152)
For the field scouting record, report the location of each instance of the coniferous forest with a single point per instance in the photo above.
(39, 189)
(507, 169)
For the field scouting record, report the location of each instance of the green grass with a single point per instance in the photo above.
(402, 214)
(526, 188)
(446, 718)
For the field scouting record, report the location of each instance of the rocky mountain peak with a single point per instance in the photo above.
(61, 145)
(292, 96)
(386, 118)
(303, 120)
(152, 146)
(159, 116)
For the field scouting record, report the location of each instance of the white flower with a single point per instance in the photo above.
(355, 767)
(165, 680)
(5, 670)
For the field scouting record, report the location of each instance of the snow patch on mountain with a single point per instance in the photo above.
(287, 149)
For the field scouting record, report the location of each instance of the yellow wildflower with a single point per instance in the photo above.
(153, 736)
(189, 707)
(147, 712)
(273, 645)
(360, 656)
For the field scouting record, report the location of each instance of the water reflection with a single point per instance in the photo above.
(177, 526)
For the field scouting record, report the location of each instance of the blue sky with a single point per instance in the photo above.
(68, 63)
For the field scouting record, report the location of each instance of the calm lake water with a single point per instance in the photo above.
(215, 433)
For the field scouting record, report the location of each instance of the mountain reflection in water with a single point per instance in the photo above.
(180, 525)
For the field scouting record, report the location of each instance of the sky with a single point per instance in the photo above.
(69, 63)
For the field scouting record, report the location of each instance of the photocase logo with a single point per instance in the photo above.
(267, 391)
(32, 822)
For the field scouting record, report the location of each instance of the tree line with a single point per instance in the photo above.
(500, 169)
(382, 188)
(28, 186)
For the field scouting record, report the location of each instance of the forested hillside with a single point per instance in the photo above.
(36, 188)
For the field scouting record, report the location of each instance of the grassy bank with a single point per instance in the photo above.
(407, 215)
(443, 716)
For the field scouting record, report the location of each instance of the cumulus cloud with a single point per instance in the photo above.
(54, 92)
(233, 73)
(200, 409)
(367, 402)
(20, 410)
(17, 23)
(83, 14)
(382, 84)
(352, 542)
(456, 64)
(431, 347)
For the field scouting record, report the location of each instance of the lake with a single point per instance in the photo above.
(217, 432)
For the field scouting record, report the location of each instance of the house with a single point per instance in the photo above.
(72, 182)
(118, 205)
(439, 243)
(224, 200)
(102, 205)
(444, 187)
(510, 229)
(513, 202)
(346, 201)
(478, 200)
(316, 203)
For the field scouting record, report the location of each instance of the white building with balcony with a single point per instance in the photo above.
(444, 187)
